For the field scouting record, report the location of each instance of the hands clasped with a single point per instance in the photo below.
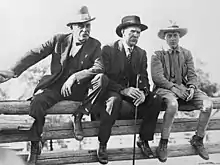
(182, 92)
(136, 94)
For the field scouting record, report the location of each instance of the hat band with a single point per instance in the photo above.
(83, 17)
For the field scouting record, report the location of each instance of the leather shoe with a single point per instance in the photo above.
(102, 154)
(197, 143)
(36, 147)
(77, 127)
(145, 148)
(161, 150)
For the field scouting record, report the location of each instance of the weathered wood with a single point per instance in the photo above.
(22, 107)
(63, 129)
(15, 122)
(89, 156)
(63, 107)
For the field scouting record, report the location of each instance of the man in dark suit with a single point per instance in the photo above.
(76, 74)
(123, 61)
(175, 80)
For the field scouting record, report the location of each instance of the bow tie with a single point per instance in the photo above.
(79, 43)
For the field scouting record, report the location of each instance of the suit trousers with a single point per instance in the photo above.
(148, 111)
(200, 100)
(87, 92)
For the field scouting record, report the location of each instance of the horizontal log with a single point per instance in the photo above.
(15, 107)
(15, 122)
(89, 156)
(63, 107)
(63, 129)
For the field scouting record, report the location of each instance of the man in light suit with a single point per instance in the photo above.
(175, 80)
(76, 74)
(124, 61)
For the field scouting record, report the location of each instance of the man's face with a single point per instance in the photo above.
(172, 39)
(131, 35)
(81, 31)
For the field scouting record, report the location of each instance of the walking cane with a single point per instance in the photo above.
(135, 121)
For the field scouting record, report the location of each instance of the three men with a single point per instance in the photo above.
(175, 79)
(76, 74)
(123, 62)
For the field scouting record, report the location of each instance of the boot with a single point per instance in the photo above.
(145, 148)
(77, 127)
(102, 154)
(36, 147)
(161, 150)
(197, 143)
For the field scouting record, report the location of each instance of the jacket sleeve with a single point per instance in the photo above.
(96, 68)
(191, 73)
(33, 56)
(157, 72)
(144, 81)
(112, 85)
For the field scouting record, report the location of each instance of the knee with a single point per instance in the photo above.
(102, 80)
(157, 102)
(115, 100)
(38, 107)
(207, 105)
(113, 104)
(172, 107)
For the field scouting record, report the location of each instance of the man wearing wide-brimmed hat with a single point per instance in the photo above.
(175, 80)
(76, 74)
(124, 61)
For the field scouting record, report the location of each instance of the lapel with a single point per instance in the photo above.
(181, 60)
(167, 62)
(65, 49)
(120, 54)
(135, 59)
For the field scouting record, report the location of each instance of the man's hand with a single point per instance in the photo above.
(132, 92)
(66, 88)
(140, 100)
(6, 75)
(183, 94)
(191, 93)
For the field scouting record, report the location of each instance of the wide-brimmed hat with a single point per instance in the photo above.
(172, 28)
(81, 16)
(131, 20)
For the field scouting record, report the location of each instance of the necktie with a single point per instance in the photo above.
(129, 56)
(176, 67)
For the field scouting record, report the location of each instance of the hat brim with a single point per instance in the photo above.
(125, 25)
(162, 32)
(81, 21)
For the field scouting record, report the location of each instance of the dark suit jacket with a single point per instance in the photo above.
(114, 61)
(160, 69)
(59, 47)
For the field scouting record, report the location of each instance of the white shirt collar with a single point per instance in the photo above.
(126, 47)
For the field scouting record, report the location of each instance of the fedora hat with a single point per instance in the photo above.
(131, 20)
(81, 16)
(172, 28)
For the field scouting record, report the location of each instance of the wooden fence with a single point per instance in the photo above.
(14, 127)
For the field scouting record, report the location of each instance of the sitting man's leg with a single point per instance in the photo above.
(88, 93)
(202, 102)
(149, 112)
(39, 104)
(108, 117)
(171, 102)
